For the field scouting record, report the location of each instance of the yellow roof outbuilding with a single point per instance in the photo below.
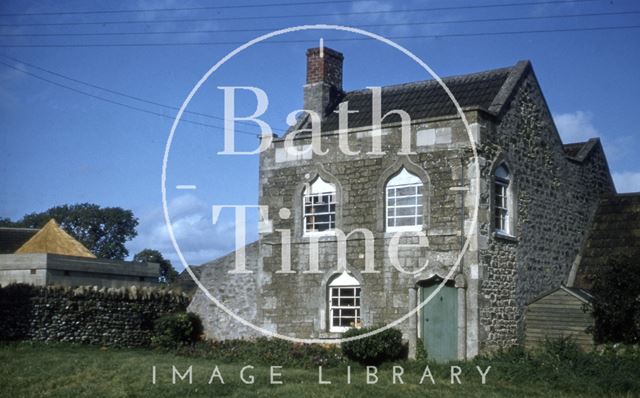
(53, 239)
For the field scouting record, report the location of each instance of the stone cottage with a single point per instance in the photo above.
(537, 198)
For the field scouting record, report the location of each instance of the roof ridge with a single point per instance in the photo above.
(428, 82)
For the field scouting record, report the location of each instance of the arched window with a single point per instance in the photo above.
(502, 200)
(344, 303)
(404, 202)
(319, 207)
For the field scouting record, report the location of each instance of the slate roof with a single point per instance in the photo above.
(615, 232)
(53, 239)
(487, 91)
(12, 238)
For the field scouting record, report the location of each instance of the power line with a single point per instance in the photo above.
(120, 93)
(449, 21)
(143, 10)
(409, 37)
(98, 97)
(262, 17)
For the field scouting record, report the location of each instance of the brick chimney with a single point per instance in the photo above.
(324, 80)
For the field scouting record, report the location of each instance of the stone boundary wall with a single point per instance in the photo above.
(117, 317)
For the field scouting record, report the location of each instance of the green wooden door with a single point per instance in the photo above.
(440, 323)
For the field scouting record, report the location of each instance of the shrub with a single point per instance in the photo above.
(176, 330)
(616, 302)
(421, 352)
(562, 348)
(373, 350)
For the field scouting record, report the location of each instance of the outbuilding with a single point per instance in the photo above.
(561, 312)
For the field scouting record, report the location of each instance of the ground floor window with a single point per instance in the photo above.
(344, 303)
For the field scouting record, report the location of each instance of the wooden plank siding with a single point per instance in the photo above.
(556, 315)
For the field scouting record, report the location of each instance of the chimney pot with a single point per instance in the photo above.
(324, 66)
(324, 80)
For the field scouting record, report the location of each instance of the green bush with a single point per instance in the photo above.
(421, 352)
(176, 330)
(373, 350)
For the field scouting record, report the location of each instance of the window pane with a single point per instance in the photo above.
(502, 172)
(406, 201)
(406, 191)
(406, 211)
(404, 222)
(347, 302)
(351, 313)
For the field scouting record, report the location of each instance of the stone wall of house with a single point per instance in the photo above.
(120, 317)
(295, 304)
(237, 292)
(556, 200)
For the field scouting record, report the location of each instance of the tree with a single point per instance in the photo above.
(168, 274)
(616, 302)
(6, 222)
(103, 230)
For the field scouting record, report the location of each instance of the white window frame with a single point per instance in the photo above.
(404, 179)
(502, 201)
(321, 190)
(352, 290)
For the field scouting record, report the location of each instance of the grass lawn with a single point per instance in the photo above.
(61, 370)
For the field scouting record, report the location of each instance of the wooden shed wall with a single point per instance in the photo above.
(555, 315)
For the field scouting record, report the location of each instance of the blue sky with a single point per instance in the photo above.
(60, 146)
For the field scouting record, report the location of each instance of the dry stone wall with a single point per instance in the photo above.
(119, 317)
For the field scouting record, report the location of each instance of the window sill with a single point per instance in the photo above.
(505, 236)
(390, 232)
(404, 229)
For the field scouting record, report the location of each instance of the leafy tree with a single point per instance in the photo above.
(616, 307)
(6, 222)
(103, 230)
(168, 274)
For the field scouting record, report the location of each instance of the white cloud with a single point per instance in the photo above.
(575, 126)
(627, 181)
(200, 240)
